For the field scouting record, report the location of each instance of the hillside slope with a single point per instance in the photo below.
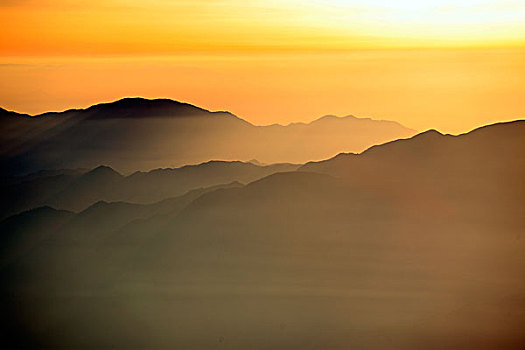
(413, 244)
(139, 134)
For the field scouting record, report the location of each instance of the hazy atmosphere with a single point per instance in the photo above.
(273, 175)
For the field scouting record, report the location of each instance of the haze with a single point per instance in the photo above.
(262, 174)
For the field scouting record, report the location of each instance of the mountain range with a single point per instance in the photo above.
(76, 189)
(140, 134)
(415, 243)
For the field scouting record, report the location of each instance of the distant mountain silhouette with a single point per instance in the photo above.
(77, 189)
(413, 244)
(141, 134)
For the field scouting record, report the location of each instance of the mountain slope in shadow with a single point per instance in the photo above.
(487, 161)
(136, 133)
(413, 244)
(77, 189)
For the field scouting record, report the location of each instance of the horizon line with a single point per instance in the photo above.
(77, 109)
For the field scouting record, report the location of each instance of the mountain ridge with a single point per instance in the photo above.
(424, 134)
(134, 102)
(411, 247)
(76, 190)
(140, 134)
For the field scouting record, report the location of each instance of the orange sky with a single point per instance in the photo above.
(426, 64)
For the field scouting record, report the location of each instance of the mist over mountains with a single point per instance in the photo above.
(415, 243)
(140, 134)
(77, 189)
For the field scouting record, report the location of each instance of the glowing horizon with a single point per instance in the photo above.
(65, 27)
(272, 61)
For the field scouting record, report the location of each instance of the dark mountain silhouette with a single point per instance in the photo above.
(103, 220)
(436, 162)
(139, 108)
(22, 232)
(77, 189)
(413, 244)
(26, 192)
(13, 180)
(4, 113)
(137, 133)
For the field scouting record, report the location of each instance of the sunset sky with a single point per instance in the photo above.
(450, 65)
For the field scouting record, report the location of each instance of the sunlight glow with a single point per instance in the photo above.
(272, 60)
(485, 22)
(67, 27)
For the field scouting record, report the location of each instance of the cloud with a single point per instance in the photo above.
(10, 65)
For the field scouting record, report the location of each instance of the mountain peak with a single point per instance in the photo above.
(335, 117)
(134, 102)
(431, 132)
(136, 133)
(138, 107)
(103, 170)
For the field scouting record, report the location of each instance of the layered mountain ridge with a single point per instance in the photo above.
(140, 134)
(77, 189)
(416, 243)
